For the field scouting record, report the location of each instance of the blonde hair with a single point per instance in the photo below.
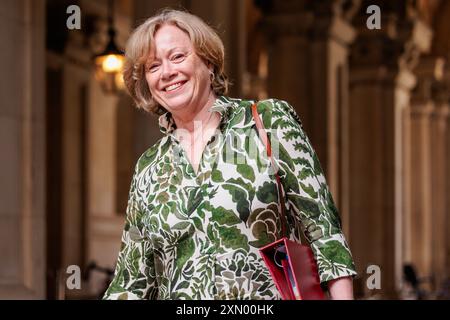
(206, 43)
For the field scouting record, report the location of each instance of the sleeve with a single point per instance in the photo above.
(309, 202)
(134, 276)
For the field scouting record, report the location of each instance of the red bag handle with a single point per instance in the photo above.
(265, 140)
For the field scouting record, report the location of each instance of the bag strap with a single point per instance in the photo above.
(265, 140)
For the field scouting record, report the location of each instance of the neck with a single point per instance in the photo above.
(199, 116)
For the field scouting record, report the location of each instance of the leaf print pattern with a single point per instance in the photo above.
(196, 236)
(263, 225)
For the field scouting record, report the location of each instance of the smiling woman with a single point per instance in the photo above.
(177, 77)
(204, 199)
(143, 56)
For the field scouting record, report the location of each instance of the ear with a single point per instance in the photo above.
(210, 66)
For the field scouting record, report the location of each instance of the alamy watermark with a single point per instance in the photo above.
(73, 280)
(374, 20)
(374, 280)
(239, 145)
(74, 20)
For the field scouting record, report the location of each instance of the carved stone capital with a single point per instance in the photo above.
(418, 42)
(403, 37)
(312, 19)
(441, 87)
(429, 73)
(292, 24)
(345, 9)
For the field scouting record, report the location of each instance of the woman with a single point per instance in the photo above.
(203, 199)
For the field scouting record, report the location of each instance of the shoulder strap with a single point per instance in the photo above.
(265, 140)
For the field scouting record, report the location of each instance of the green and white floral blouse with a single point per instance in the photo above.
(196, 236)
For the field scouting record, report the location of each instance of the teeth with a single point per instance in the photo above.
(173, 86)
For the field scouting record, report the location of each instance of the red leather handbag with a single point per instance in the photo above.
(291, 264)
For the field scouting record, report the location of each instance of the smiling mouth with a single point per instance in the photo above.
(174, 86)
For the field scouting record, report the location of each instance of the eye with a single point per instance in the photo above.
(152, 67)
(178, 57)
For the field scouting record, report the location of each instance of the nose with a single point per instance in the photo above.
(167, 71)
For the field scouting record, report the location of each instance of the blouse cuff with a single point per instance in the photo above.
(334, 259)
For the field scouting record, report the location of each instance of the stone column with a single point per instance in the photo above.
(425, 205)
(76, 68)
(446, 101)
(421, 205)
(308, 67)
(447, 175)
(22, 141)
(439, 249)
(381, 79)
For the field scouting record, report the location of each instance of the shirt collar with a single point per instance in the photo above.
(223, 105)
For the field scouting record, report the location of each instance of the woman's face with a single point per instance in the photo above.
(177, 78)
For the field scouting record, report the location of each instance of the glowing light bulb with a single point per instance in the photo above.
(112, 63)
